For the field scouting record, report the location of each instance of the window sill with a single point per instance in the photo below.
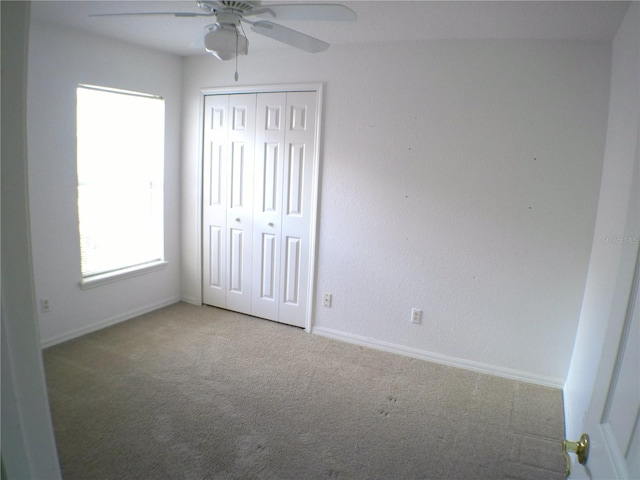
(104, 278)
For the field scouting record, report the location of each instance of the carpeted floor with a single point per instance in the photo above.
(200, 393)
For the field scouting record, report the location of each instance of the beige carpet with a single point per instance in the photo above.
(201, 393)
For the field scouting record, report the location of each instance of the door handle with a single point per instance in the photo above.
(237, 219)
(270, 224)
(581, 448)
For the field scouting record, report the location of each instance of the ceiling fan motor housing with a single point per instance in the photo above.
(228, 18)
(241, 8)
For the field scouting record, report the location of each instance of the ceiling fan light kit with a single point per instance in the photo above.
(225, 42)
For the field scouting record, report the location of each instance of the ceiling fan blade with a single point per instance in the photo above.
(306, 11)
(139, 14)
(289, 36)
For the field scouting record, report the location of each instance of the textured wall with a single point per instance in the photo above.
(457, 177)
(59, 60)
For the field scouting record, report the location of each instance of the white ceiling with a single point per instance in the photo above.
(377, 21)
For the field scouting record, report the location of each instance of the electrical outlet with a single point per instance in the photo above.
(326, 299)
(45, 305)
(416, 316)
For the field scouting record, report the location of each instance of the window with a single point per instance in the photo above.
(120, 161)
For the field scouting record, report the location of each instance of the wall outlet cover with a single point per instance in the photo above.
(326, 299)
(45, 305)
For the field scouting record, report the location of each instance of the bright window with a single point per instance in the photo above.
(120, 157)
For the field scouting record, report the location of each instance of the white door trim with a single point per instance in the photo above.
(297, 87)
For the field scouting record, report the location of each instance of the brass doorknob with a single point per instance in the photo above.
(580, 448)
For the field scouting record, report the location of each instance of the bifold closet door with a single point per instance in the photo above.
(227, 211)
(285, 149)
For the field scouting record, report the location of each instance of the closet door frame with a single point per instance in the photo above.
(298, 87)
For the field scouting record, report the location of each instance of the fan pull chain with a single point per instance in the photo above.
(235, 76)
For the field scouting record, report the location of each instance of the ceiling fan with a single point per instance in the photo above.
(225, 39)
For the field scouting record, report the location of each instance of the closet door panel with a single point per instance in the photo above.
(267, 213)
(300, 144)
(214, 208)
(239, 235)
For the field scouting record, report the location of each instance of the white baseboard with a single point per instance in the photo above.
(439, 358)
(107, 322)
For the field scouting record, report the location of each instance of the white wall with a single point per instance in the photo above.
(611, 263)
(60, 59)
(457, 177)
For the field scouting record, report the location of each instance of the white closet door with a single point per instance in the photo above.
(258, 164)
(267, 211)
(214, 203)
(241, 134)
(299, 154)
